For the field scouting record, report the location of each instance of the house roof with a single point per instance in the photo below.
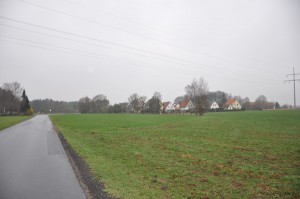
(230, 102)
(165, 104)
(184, 103)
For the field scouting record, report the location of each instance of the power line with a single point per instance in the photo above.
(113, 15)
(105, 25)
(130, 32)
(78, 42)
(90, 44)
(293, 80)
(169, 58)
(132, 48)
(107, 42)
(93, 55)
(111, 58)
(97, 55)
(158, 55)
(208, 67)
(102, 46)
(159, 30)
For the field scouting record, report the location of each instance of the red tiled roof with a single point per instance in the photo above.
(184, 103)
(230, 102)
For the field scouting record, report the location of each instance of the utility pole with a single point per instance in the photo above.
(293, 80)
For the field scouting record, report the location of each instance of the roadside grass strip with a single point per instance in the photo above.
(7, 121)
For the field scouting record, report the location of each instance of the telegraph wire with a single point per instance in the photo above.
(102, 46)
(116, 16)
(105, 25)
(91, 44)
(120, 29)
(131, 21)
(168, 58)
(111, 58)
(90, 54)
(209, 68)
(95, 39)
(107, 42)
(75, 53)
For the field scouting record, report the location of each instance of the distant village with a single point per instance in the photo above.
(230, 105)
(217, 101)
(188, 106)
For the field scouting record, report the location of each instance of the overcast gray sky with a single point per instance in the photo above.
(68, 49)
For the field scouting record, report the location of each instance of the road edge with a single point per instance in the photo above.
(92, 188)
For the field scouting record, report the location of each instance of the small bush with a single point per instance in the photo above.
(29, 111)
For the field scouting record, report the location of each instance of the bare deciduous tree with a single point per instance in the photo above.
(179, 99)
(157, 95)
(7, 102)
(261, 101)
(99, 97)
(137, 102)
(218, 96)
(84, 105)
(197, 91)
(11, 97)
(99, 104)
(14, 87)
(154, 104)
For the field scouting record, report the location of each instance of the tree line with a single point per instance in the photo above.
(13, 100)
(52, 106)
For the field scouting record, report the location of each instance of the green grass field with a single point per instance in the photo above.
(7, 121)
(219, 155)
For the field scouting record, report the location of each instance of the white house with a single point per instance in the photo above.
(214, 105)
(232, 105)
(168, 107)
(186, 105)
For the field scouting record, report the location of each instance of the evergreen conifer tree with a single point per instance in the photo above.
(24, 103)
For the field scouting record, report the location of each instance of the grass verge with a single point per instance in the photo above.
(7, 121)
(229, 155)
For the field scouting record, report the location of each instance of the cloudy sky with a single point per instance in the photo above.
(68, 49)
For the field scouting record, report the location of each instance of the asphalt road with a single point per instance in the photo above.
(33, 163)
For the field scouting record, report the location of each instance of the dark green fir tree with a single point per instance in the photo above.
(24, 103)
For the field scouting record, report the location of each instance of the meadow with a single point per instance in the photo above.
(219, 155)
(7, 121)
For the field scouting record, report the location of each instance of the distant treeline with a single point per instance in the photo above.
(100, 104)
(13, 100)
(51, 106)
(84, 105)
(137, 103)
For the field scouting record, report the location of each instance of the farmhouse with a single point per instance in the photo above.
(186, 105)
(168, 107)
(232, 105)
(214, 105)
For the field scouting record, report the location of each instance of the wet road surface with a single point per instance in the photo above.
(33, 163)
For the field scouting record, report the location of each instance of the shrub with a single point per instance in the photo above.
(29, 111)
